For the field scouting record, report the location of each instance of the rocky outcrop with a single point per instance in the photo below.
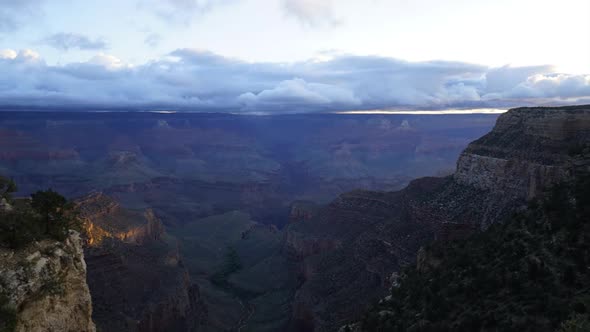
(135, 273)
(104, 219)
(45, 284)
(426, 260)
(137, 288)
(349, 251)
(302, 210)
(299, 246)
(528, 150)
(182, 310)
(378, 233)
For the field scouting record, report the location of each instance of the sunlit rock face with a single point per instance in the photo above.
(135, 273)
(104, 219)
(46, 284)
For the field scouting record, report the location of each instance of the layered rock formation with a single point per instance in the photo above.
(265, 158)
(45, 284)
(351, 248)
(104, 219)
(135, 272)
(301, 210)
(529, 149)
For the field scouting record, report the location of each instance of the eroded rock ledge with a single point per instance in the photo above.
(45, 283)
(528, 150)
(377, 233)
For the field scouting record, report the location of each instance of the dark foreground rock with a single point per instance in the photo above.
(350, 251)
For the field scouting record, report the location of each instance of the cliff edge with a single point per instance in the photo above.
(528, 150)
(136, 275)
(350, 250)
(43, 287)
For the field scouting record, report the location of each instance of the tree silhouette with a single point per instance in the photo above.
(56, 212)
(7, 187)
(46, 215)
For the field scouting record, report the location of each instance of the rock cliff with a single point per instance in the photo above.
(104, 218)
(44, 286)
(301, 210)
(349, 249)
(135, 272)
(528, 150)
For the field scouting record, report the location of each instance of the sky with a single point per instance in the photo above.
(294, 55)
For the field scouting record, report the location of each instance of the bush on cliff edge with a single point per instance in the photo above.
(46, 214)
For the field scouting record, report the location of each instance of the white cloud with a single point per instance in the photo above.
(298, 95)
(65, 41)
(8, 54)
(14, 13)
(552, 86)
(180, 11)
(26, 56)
(153, 40)
(107, 61)
(199, 80)
(311, 12)
(503, 78)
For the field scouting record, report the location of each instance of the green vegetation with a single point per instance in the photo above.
(527, 274)
(46, 215)
(56, 212)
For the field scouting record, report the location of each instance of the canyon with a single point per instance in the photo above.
(165, 197)
(297, 223)
(353, 248)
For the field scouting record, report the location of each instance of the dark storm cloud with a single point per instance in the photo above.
(199, 80)
(65, 41)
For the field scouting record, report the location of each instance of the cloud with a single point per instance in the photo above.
(298, 95)
(14, 13)
(180, 11)
(153, 40)
(499, 79)
(8, 54)
(66, 41)
(312, 13)
(199, 80)
(552, 86)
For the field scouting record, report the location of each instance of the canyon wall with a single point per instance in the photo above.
(104, 218)
(350, 250)
(135, 272)
(528, 150)
(45, 284)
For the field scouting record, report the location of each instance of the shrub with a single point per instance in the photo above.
(46, 215)
(7, 187)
